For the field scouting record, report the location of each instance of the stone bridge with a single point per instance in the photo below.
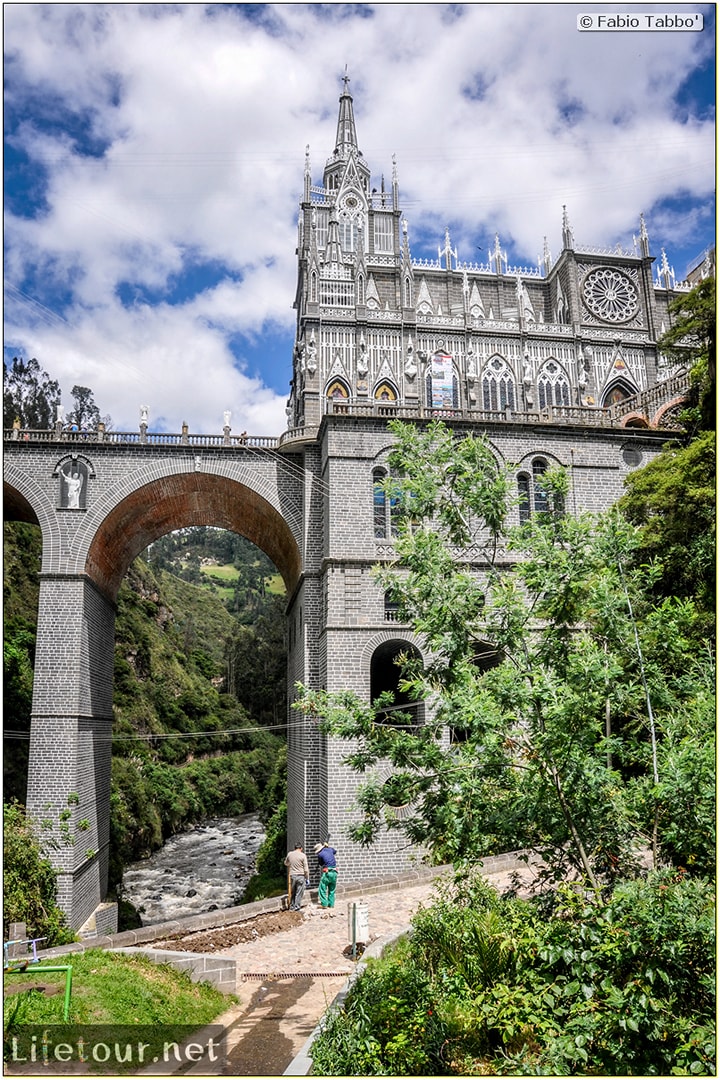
(99, 502)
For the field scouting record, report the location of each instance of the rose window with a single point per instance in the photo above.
(610, 295)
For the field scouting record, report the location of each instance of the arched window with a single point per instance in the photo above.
(523, 483)
(532, 493)
(540, 499)
(339, 395)
(386, 392)
(408, 293)
(617, 392)
(498, 386)
(391, 608)
(361, 289)
(385, 510)
(313, 288)
(338, 391)
(553, 386)
(385, 675)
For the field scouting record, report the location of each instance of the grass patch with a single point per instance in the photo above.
(111, 988)
(275, 585)
(228, 572)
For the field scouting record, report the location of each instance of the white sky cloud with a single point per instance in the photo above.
(498, 114)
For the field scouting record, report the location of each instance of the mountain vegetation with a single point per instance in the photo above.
(185, 746)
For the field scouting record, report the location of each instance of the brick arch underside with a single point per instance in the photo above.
(16, 507)
(176, 502)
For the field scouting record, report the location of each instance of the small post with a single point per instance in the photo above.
(354, 931)
(143, 423)
(226, 428)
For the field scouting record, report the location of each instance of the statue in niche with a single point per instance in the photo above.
(72, 480)
(311, 356)
(410, 365)
(362, 364)
(527, 379)
(581, 370)
(471, 367)
(300, 354)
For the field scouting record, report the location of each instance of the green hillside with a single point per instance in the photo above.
(184, 747)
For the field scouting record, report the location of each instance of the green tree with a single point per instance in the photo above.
(85, 413)
(256, 658)
(537, 747)
(692, 340)
(672, 499)
(29, 395)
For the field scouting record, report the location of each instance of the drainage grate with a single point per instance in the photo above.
(244, 976)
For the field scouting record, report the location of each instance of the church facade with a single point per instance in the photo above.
(557, 364)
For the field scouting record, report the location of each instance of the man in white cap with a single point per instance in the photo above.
(328, 874)
(299, 871)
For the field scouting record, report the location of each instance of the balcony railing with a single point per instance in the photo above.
(140, 438)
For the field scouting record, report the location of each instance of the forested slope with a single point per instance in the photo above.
(183, 746)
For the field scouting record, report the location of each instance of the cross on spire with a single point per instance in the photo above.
(345, 80)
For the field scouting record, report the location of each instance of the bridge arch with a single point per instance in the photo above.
(87, 551)
(24, 500)
(180, 500)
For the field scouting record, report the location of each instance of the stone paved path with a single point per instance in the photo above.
(286, 981)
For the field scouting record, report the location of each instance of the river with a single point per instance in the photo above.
(205, 868)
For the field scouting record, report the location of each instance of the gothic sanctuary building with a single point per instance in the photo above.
(558, 364)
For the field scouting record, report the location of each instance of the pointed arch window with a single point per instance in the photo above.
(385, 393)
(313, 288)
(361, 289)
(339, 396)
(618, 391)
(498, 386)
(408, 293)
(553, 386)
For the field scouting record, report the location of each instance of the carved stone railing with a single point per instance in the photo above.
(140, 438)
(647, 402)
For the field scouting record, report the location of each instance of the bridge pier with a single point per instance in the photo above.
(70, 737)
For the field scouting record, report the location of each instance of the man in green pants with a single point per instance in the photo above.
(328, 874)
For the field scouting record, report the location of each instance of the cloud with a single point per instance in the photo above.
(166, 149)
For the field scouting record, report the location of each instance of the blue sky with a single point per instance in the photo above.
(154, 160)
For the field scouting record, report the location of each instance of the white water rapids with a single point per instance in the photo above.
(205, 868)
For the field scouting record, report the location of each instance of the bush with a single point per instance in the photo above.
(388, 1024)
(561, 985)
(30, 882)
